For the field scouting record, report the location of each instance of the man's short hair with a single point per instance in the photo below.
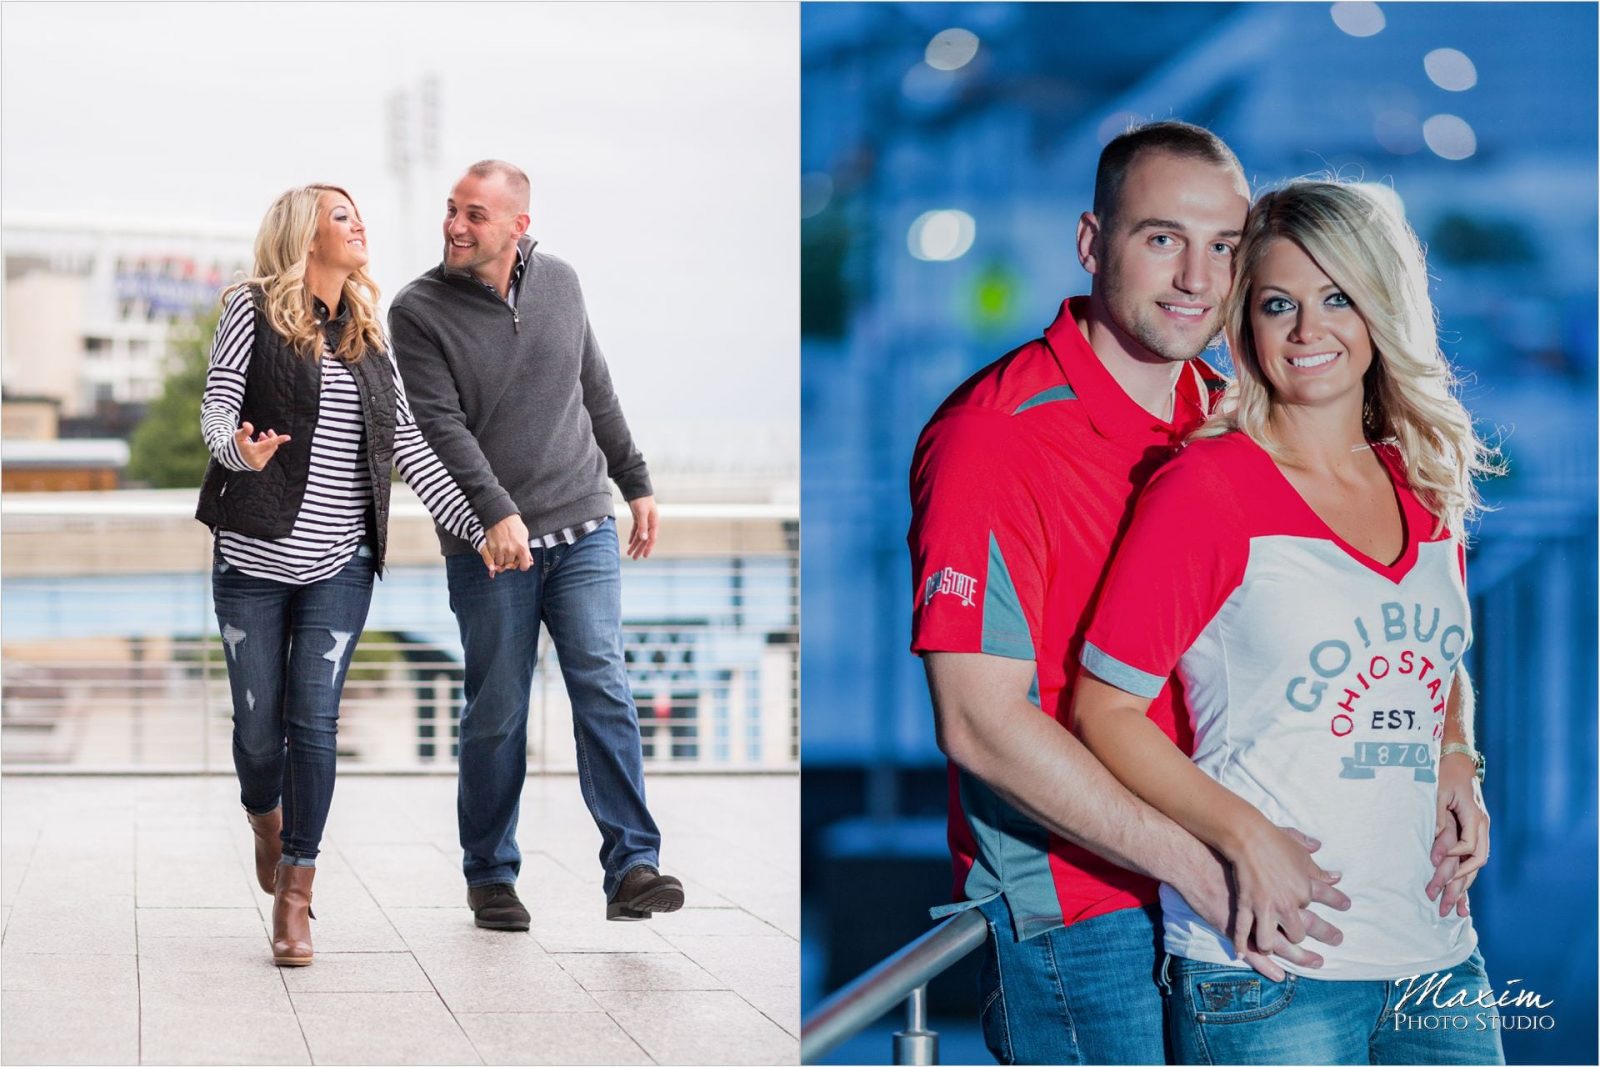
(516, 181)
(1171, 136)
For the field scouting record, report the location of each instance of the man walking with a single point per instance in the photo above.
(511, 390)
(1020, 485)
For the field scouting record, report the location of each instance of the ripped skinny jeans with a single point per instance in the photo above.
(288, 648)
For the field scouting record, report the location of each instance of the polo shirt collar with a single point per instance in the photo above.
(524, 250)
(1112, 412)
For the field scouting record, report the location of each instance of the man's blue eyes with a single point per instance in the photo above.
(1163, 240)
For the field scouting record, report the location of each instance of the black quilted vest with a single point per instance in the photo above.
(283, 392)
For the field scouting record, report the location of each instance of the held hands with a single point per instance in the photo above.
(1461, 835)
(1275, 879)
(1213, 899)
(256, 451)
(646, 520)
(505, 546)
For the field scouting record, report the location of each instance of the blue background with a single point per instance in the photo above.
(1011, 139)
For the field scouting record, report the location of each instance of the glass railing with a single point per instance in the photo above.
(112, 662)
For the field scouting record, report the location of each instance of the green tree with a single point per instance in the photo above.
(166, 450)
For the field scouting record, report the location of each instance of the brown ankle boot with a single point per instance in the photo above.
(268, 829)
(291, 916)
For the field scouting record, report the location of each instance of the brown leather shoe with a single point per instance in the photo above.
(291, 916)
(644, 890)
(268, 829)
(497, 907)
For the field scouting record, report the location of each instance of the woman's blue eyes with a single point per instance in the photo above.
(1278, 305)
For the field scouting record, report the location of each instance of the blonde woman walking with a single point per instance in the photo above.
(305, 416)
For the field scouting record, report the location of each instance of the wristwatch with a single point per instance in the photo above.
(1466, 750)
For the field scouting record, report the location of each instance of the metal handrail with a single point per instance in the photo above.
(903, 976)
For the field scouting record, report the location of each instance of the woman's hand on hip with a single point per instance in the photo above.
(257, 450)
(1461, 834)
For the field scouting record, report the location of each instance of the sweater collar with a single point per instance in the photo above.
(525, 247)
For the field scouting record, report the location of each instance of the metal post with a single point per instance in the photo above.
(136, 672)
(543, 653)
(902, 978)
(917, 1044)
(205, 663)
(401, 155)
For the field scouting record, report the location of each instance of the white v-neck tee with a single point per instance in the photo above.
(1316, 679)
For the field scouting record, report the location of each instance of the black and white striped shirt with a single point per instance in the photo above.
(332, 522)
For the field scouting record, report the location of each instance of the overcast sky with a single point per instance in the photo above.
(662, 140)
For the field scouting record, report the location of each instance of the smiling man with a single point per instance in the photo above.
(510, 388)
(1021, 484)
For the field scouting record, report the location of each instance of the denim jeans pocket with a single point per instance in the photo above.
(1474, 965)
(1230, 994)
(996, 1027)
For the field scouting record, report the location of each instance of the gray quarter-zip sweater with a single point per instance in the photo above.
(516, 402)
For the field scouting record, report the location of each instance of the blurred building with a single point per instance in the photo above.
(939, 204)
(947, 152)
(52, 466)
(91, 305)
(30, 418)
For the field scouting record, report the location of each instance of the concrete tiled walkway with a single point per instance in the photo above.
(134, 932)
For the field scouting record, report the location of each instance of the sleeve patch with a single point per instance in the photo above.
(964, 587)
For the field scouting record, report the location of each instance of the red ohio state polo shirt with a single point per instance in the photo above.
(1021, 484)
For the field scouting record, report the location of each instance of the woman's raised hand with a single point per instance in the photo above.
(257, 450)
(1276, 879)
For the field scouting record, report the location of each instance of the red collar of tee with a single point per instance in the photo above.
(1112, 412)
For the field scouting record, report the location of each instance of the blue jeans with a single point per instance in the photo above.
(1084, 993)
(575, 590)
(1223, 1014)
(288, 649)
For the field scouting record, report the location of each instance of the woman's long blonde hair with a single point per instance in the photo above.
(282, 245)
(1366, 248)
